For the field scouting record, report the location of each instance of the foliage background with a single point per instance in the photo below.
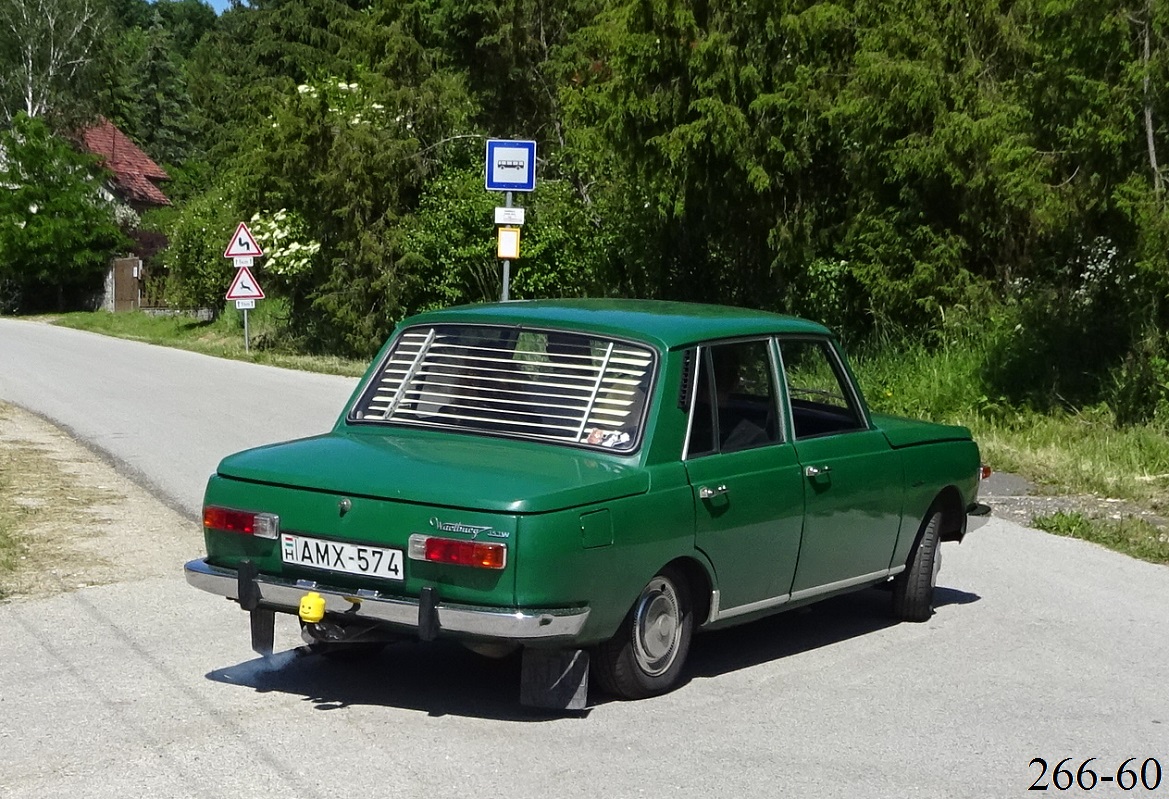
(918, 173)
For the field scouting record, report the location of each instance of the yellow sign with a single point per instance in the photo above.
(509, 243)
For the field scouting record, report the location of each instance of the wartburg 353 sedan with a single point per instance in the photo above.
(591, 481)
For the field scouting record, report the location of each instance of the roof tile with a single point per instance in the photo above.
(133, 169)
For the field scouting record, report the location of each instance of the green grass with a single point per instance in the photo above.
(10, 515)
(223, 338)
(1067, 452)
(9, 545)
(1130, 535)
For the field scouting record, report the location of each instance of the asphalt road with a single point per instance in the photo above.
(164, 416)
(1041, 647)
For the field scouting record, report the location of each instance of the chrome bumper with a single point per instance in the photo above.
(469, 620)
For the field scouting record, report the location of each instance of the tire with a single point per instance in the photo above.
(913, 589)
(646, 656)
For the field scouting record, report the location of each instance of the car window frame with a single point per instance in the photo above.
(843, 375)
(779, 405)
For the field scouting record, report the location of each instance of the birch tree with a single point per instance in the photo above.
(47, 53)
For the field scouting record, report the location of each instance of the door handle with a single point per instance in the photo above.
(817, 471)
(711, 493)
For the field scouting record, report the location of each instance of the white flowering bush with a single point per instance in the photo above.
(351, 103)
(288, 248)
(126, 217)
(1102, 269)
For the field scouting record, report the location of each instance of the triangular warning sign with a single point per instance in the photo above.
(242, 244)
(244, 287)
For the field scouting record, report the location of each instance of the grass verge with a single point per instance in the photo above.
(1130, 535)
(1066, 452)
(222, 338)
(41, 505)
(10, 545)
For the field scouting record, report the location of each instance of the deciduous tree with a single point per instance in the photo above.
(57, 233)
(48, 49)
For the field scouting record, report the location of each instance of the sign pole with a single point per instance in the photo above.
(506, 263)
(243, 251)
(511, 167)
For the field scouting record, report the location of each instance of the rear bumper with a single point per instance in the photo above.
(471, 621)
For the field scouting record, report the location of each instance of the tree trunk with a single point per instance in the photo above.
(1146, 35)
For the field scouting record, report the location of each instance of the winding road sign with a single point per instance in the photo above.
(243, 244)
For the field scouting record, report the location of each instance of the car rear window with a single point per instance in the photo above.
(545, 384)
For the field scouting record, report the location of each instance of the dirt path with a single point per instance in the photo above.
(72, 520)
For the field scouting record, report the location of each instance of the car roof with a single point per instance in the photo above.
(666, 324)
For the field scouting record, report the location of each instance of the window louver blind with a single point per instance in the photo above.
(536, 384)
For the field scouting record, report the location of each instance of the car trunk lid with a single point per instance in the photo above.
(453, 471)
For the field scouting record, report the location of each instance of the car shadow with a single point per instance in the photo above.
(952, 596)
(801, 630)
(445, 679)
(439, 678)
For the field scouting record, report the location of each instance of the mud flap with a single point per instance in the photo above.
(247, 589)
(427, 614)
(263, 621)
(555, 678)
(263, 631)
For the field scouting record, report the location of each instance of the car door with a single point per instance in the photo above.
(853, 482)
(746, 481)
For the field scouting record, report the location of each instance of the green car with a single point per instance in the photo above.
(590, 482)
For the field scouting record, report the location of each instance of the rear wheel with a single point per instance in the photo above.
(646, 656)
(913, 589)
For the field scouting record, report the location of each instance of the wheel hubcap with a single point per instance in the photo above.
(657, 627)
(937, 566)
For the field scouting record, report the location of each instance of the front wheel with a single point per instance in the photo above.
(646, 656)
(913, 589)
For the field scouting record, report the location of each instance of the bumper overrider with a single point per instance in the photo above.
(977, 514)
(426, 615)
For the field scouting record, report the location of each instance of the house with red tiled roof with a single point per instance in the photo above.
(134, 188)
(136, 177)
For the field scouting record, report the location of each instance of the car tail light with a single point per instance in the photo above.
(984, 472)
(459, 553)
(261, 525)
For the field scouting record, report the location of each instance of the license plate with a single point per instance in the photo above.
(341, 557)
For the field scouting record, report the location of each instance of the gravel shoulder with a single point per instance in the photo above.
(75, 520)
(1019, 500)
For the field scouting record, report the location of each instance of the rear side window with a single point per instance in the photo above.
(544, 384)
